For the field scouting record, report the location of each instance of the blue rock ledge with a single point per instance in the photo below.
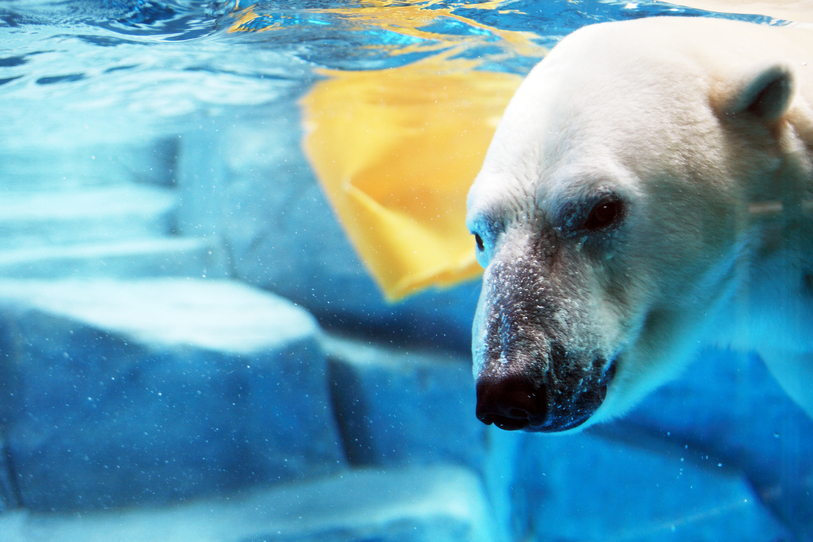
(147, 392)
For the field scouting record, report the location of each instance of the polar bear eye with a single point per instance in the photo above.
(604, 215)
(479, 240)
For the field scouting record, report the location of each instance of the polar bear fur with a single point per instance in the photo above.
(649, 190)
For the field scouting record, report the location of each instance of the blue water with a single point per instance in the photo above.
(155, 65)
(161, 141)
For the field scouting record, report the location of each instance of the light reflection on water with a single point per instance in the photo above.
(85, 70)
(149, 63)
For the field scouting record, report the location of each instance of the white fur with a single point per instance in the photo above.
(717, 240)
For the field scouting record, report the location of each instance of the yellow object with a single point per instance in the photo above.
(396, 151)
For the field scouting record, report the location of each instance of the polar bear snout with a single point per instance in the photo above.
(517, 402)
(539, 363)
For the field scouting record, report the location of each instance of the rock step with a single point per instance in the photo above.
(55, 165)
(611, 492)
(730, 406)
(102, 213)
(221, 315)
(153, 391)
(426, 504)
(132, 258)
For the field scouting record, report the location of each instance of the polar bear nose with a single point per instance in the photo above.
(510, 402)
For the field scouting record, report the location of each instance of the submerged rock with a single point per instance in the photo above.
(89, 214)
(582, 487)
(728, 406)
(144, 392)
(131, 258)
(397, 406)
(134, 393)
(8, 493)
(427, 504)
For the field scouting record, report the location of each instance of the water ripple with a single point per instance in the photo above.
(126, 66)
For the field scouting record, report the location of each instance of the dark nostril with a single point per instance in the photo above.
(518, 413)
(510, 424)
(510, 403)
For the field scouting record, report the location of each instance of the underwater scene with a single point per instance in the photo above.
(237, 290)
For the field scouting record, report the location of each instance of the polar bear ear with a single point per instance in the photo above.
(766, 92)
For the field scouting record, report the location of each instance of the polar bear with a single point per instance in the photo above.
(648, 190)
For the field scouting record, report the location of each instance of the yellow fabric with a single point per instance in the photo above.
(396, 151)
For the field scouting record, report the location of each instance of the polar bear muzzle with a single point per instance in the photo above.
(534, 371)
(513, 402)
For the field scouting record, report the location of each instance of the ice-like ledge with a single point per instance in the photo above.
(221, 315)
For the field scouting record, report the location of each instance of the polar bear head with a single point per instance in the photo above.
(611, 213)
